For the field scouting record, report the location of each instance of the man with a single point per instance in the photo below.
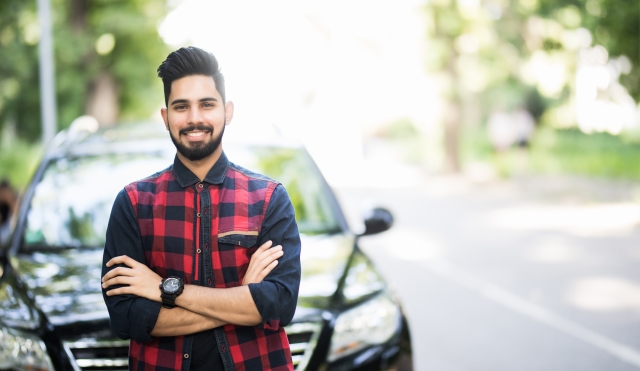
(183, 276)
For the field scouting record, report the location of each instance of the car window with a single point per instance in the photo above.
(72, 202)
(294, 169)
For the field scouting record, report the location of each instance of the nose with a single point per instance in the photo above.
(195, 115)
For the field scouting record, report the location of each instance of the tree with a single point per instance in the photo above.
(505, 54)
(106, 52)
(614, 24)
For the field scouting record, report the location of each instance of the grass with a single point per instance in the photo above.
(561, 151)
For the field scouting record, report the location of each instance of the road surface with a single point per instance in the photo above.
(536, 273)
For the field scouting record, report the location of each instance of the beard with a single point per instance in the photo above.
(199, 151)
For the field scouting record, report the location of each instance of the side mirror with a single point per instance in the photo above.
(377, 220)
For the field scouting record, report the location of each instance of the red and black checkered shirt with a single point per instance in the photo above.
(205, 232)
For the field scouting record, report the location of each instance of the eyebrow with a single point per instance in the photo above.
(182, 101)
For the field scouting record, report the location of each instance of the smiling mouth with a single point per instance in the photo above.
(195, 133)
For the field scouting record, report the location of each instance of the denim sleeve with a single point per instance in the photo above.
(131, 317)
(277, 295)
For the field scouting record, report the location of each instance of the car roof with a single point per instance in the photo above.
(149, 137)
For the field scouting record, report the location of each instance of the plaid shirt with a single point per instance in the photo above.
(205, 232)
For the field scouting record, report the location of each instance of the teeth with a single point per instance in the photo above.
(195, 133)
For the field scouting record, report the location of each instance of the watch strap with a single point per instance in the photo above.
(169, 299)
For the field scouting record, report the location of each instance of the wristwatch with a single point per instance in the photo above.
(170, 288)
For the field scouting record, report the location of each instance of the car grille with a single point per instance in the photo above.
(93, 355)
(302, 340)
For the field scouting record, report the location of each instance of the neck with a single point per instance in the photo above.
(201, 167)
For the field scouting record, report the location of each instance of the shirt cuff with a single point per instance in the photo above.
(143, 315)
(265, 296)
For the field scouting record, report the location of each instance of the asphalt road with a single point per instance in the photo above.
(538, 273)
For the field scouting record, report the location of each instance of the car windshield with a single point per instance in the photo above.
(72, 202)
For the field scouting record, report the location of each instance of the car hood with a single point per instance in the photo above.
(66, 283)
(16, 306)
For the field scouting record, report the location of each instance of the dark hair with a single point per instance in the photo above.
(186, 62)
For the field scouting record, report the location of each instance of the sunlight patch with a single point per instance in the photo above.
(597, 220)
(604, 294)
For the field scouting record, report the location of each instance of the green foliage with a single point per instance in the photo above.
(613, 24)
(18, 161)
(77, 27)
(506, 35)
(571, 151)
(400, 129)
(560, 151)
(19, 101)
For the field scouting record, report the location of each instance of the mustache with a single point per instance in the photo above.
(196, 128)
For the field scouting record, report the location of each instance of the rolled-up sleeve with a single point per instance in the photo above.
(277, 295)
(131, 317)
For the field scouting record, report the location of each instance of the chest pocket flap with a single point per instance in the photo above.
(239, 238)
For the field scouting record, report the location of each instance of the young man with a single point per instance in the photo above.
(183, 275)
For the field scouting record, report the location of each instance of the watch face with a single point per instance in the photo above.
(171, 285)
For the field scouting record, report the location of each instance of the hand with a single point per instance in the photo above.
(140, 280)
(263, 261)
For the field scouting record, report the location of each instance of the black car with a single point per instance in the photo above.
(50, 297)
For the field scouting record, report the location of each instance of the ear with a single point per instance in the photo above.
(165, 117)
(228, 112)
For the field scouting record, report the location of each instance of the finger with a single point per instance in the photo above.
(122, 259)
(259, 255)
(261, 258)
(267, 259)
(265, 246)
(119, 280)
(266, 266)
(119, 291)
(267, 270)
(119, 271)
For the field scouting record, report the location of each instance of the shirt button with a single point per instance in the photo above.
(201, 185)
(198, 214)
(199, 251)
(186, 355)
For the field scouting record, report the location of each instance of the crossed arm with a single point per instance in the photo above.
(132, 294)
(198, 308)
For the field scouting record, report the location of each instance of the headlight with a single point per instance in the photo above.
(22, 351)
(373, 322)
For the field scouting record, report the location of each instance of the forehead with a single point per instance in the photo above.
(194, 85)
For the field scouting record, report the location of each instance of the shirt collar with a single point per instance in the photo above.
(215, 175)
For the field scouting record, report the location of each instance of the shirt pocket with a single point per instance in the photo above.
(246, 239)
(235, 249)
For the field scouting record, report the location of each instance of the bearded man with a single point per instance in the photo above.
(201, 265)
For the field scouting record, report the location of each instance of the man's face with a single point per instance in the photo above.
(196, 116)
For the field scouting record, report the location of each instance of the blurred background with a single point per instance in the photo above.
(487, 88)
(504, 135)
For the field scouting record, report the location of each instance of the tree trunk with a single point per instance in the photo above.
(452, 116)
(78, 15)
(452, 137)
(102, 101)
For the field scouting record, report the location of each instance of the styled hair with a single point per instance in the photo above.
(186, 62)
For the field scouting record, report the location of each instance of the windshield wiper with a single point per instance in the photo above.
(53, 248)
